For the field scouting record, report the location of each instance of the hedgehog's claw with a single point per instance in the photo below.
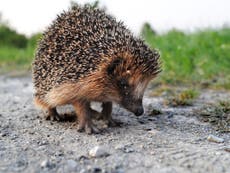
(97, 115)
(88, 127)
(56, 117)
(91, 129)
(113, 123)
(53, 115)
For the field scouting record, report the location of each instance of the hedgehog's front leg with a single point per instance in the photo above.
(106, 114)
(84, 115)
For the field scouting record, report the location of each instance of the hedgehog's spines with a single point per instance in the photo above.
(82, 40)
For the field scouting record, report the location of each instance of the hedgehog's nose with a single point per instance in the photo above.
(139, 111)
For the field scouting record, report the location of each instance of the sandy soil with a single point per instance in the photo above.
(173, 142)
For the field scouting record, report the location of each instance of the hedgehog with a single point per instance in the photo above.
(87, 56)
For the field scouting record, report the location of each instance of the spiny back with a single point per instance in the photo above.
(78, 41)
(74, 45)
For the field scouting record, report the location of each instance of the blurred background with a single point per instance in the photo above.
(192, 36)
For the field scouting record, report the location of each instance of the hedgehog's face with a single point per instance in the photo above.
(129, 86)
(131, 94)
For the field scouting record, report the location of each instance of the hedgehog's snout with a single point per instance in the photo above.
(134, 106)
(139, 111)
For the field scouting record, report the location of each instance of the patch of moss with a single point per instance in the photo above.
(155, 112)
(182, 98)
(217, 114)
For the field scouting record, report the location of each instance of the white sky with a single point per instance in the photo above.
(30, 16)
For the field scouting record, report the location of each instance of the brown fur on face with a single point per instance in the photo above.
(129, 80)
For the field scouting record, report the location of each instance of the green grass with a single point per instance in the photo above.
(12, 58)
(17, 58)
(203, 56)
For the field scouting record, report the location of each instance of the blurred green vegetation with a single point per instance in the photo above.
(11, 38)
(201, 57)
(16, 50)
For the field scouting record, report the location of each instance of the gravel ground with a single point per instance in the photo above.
(173, 142)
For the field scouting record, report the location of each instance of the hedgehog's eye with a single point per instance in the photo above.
(123, 84)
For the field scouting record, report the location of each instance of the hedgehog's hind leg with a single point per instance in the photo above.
(84, 116)
(96, 114)
(52, 114)
(106, 114)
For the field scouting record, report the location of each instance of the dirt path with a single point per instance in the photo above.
(169, 143)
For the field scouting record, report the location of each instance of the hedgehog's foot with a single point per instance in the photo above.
(84, 115)
(70, 117)
(53, 115)
(97, 115)
(113, 123)
(88, 127)
(106, 115)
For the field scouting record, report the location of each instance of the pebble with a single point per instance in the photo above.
(42, 142)
(125, 148)
(216, 139)
(97, 170)
(46, 164)
(153, 132)
(227, 148)
(98, 151)
(71, 164)
(128, 150)
(83, 171)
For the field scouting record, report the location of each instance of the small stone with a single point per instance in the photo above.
(20, 163)
(42, 142)
(153, 132)
(119, 147)
(4, 134)
(83, 171)
(97, 170)
(59, 153)
(82, 158)
(71, 164)
(98, 151)
(141, 146)
(227, 148)
(153, 153)
(147, 129)
(128, 150)
(216, 139)
(119, 169)
(47, 164)
(125, 148)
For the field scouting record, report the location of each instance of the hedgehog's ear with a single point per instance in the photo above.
(113, 65)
